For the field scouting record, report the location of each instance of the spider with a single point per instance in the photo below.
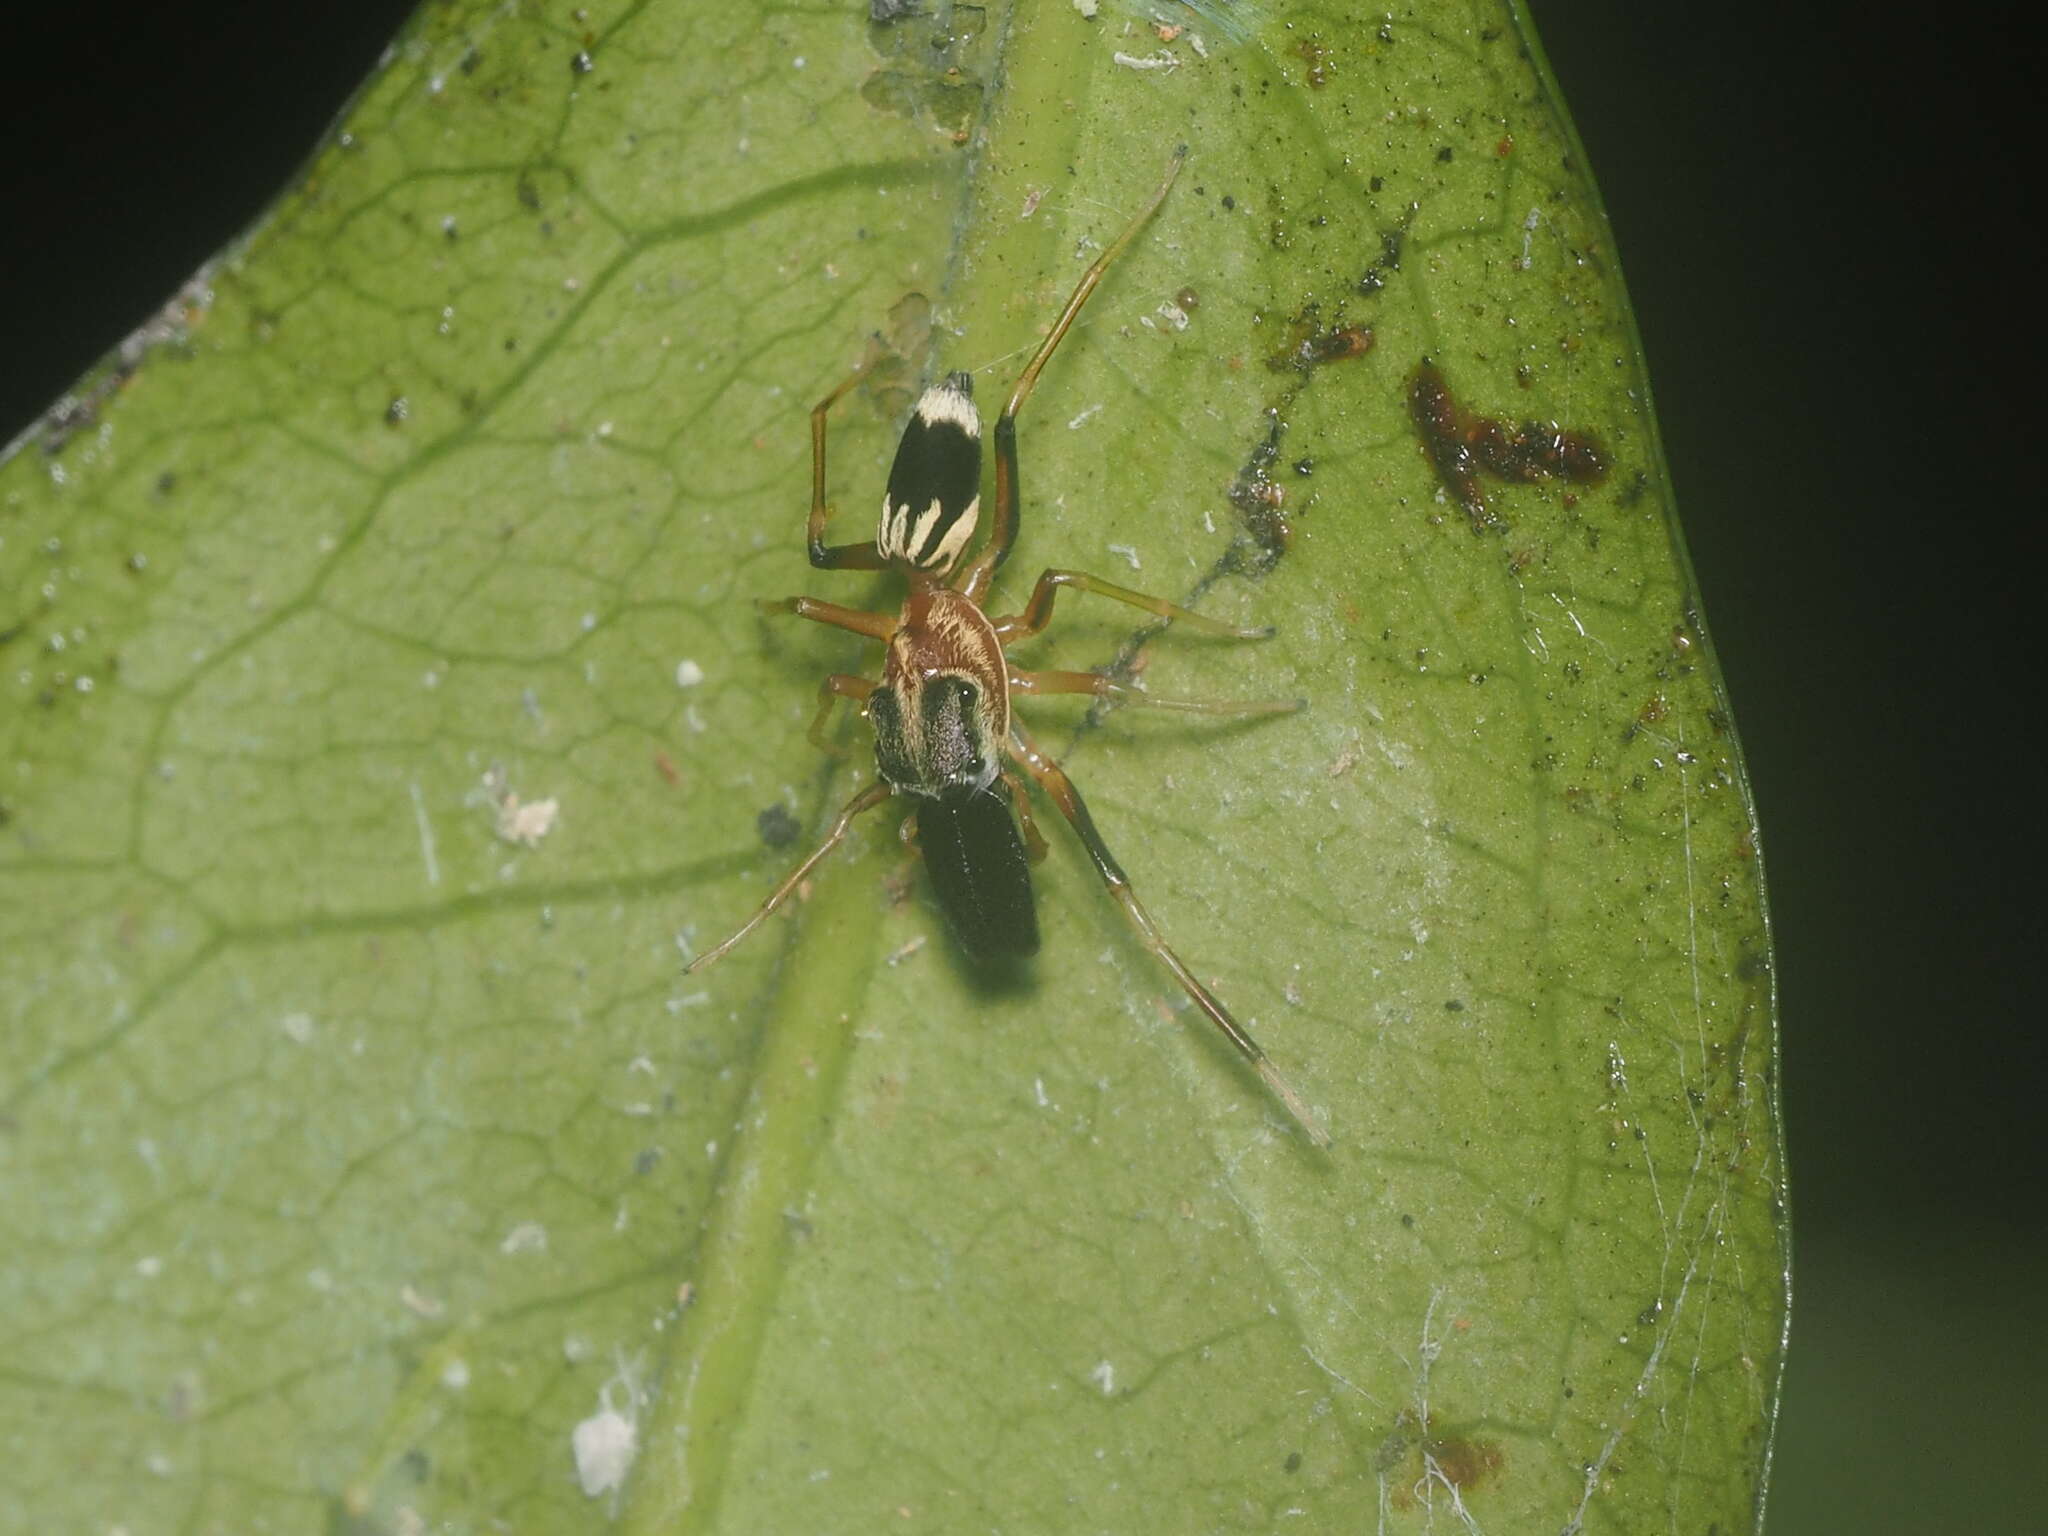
(941, 709)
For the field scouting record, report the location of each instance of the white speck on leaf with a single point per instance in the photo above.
(604, 1446)
(606, 1443)
(527, 822)
(688, 673)
(527, 1237)
(418, 1302)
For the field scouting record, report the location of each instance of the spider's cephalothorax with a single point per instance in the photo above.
(941, 708)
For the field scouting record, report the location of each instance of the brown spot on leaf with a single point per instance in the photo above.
(1465, 1463)
(1462, 445)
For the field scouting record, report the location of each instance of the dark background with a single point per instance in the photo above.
(1821, 224)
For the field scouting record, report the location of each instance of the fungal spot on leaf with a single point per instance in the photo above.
(1464, 1463)
(930, 73)
(1462, 445)
(777, 827)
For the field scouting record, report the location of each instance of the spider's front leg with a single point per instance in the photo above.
(866, 800)
(1061, 791)
(838, 686)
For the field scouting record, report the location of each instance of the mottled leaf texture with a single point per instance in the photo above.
(384, 720)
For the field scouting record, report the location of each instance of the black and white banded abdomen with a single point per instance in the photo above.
(934, 494)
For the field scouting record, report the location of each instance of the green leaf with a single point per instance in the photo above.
(368, 1166)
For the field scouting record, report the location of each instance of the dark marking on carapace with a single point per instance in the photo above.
(1462, 445)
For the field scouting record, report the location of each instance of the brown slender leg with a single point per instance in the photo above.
(1054, 781)
(1108, 688)
(876, 626)
(840, 557)
(1038, 611)
(1020, 802)
(866, 800)
(836, 687)
(1003, 529)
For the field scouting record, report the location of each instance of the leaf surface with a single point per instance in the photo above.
(384, 720)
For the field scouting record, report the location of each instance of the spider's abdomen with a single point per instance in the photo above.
(934, 496)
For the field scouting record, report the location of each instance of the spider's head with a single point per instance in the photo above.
(935, 735)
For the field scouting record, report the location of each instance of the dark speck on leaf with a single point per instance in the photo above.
(1293, 1462)
(581, 63)
(777, 827)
